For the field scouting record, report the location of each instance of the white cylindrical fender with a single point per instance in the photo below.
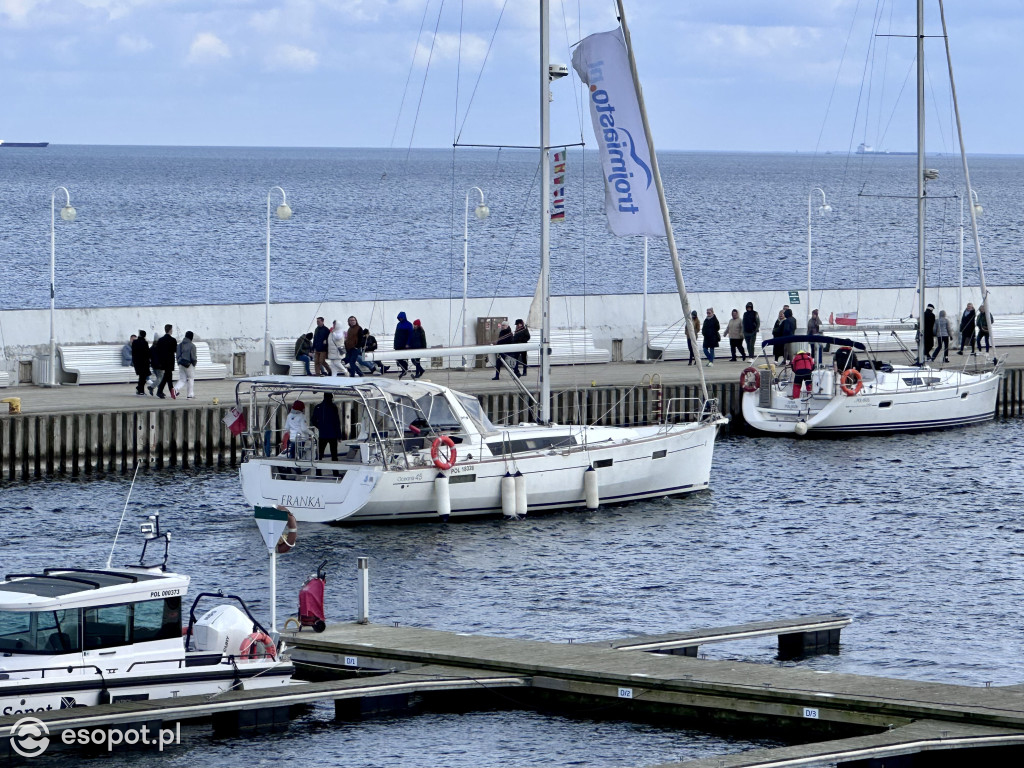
(800, 428)
(441, 496)
(590, 489)
(521, 501)
(508, 496)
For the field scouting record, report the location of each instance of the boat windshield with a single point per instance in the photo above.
(476, 413)
(40, 632)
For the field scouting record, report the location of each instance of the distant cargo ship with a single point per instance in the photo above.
(24, 143)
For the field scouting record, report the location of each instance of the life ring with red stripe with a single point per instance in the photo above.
(443, 452)
(289, 535)
(750, 379)
(257, 646)
(851, 382)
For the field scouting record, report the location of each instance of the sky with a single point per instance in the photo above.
(718, 75)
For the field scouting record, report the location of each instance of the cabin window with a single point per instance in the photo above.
(476, 412)
(659, 454)
(107, 626)
(603, 463)
(885, 404)
(540, 443)
(157, 620)
(41, 632)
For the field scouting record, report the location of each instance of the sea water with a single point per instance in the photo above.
(919, 538)
(188, 225)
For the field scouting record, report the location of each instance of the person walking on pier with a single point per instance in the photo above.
(779, 350)
(695, 324)
(814, 329)
(126, 352)
(417, 340)
(734, 332)
(501, 359)
(751, 325)
(712, 335)
(943, 330)
(140, 361)
(354, 349)
(983, 322)
(521, 335)
(303, 348)
(967, 324)
(165, 349)
(320, 336)
(403, 336)
(929, 330)
(186, 367)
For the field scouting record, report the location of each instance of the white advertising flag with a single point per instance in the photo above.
(630, 195)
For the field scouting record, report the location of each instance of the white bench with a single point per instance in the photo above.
(670, 341)
(282, 355)
(572, 348)
(101, 364)
(5, 378)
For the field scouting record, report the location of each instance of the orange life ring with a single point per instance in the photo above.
(856, 378)
(445, 460)
(258, 645)
(291, 533)
(750, 379)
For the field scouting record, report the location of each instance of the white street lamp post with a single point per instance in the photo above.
(284, 213)
(67, 213)
(822, 210)
(481, 212)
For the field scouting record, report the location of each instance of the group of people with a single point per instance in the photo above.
(975, 327)
(352, 342)
(740, 331)
(154, 365)
(511, 360)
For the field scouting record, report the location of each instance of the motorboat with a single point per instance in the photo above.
(73, 637)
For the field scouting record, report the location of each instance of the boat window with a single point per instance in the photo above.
(476, 413)
(438, 413)
(500, 447)
(43, 632)
(157, 620)
(107, 626)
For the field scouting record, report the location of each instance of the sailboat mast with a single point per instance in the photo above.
(670, 236)
(545, 219)
(920, 181)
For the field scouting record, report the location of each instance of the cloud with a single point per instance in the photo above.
(446, 47)
(17, 10)
(292, 58)
(207, 48)
(133, 44)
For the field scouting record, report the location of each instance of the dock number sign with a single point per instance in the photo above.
(811, 713)
(794, 297)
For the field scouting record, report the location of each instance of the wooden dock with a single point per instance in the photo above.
(861, 717)
(104, 428)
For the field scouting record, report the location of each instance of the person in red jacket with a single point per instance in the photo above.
(802, 365)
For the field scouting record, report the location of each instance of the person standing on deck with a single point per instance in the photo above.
(967, 322)
(712, 335)
(327, 421)
(403, 336)
(320, 336)
(929, 330)
(140, 361)
(814, 329)
(751, 325)
(788, 329)
(165, 350)
(734, 332)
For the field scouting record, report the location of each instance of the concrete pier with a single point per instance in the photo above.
(83, 430)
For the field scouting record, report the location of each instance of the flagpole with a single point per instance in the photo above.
(670, 236)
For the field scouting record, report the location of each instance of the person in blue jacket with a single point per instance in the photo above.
(403, 337)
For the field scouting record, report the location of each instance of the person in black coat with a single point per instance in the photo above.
(929, 330)
(417, 340)
(711, 330)
(521, 335)
(403, 337)
(788, 329)
(500, 360)
(140, 361)
(967, 321)
(165, 349)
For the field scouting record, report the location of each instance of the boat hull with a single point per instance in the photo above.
(658, 463)
(955, 399)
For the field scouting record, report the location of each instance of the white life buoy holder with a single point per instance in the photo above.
(851, 383)
(256, 646)
(444, 457)
(750, 380)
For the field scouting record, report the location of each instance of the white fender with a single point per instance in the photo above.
(441, 496)
(590, 489)
(508, 496)
(521, 500)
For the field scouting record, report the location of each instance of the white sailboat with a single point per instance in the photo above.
(855, 391)
(422, 451)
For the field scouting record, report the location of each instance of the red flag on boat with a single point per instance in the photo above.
(235, 421)
(844, 318)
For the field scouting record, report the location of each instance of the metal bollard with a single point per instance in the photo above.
(363, 598)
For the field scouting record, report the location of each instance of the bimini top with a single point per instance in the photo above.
(414, 389)
(61, 588)
(815, 340)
